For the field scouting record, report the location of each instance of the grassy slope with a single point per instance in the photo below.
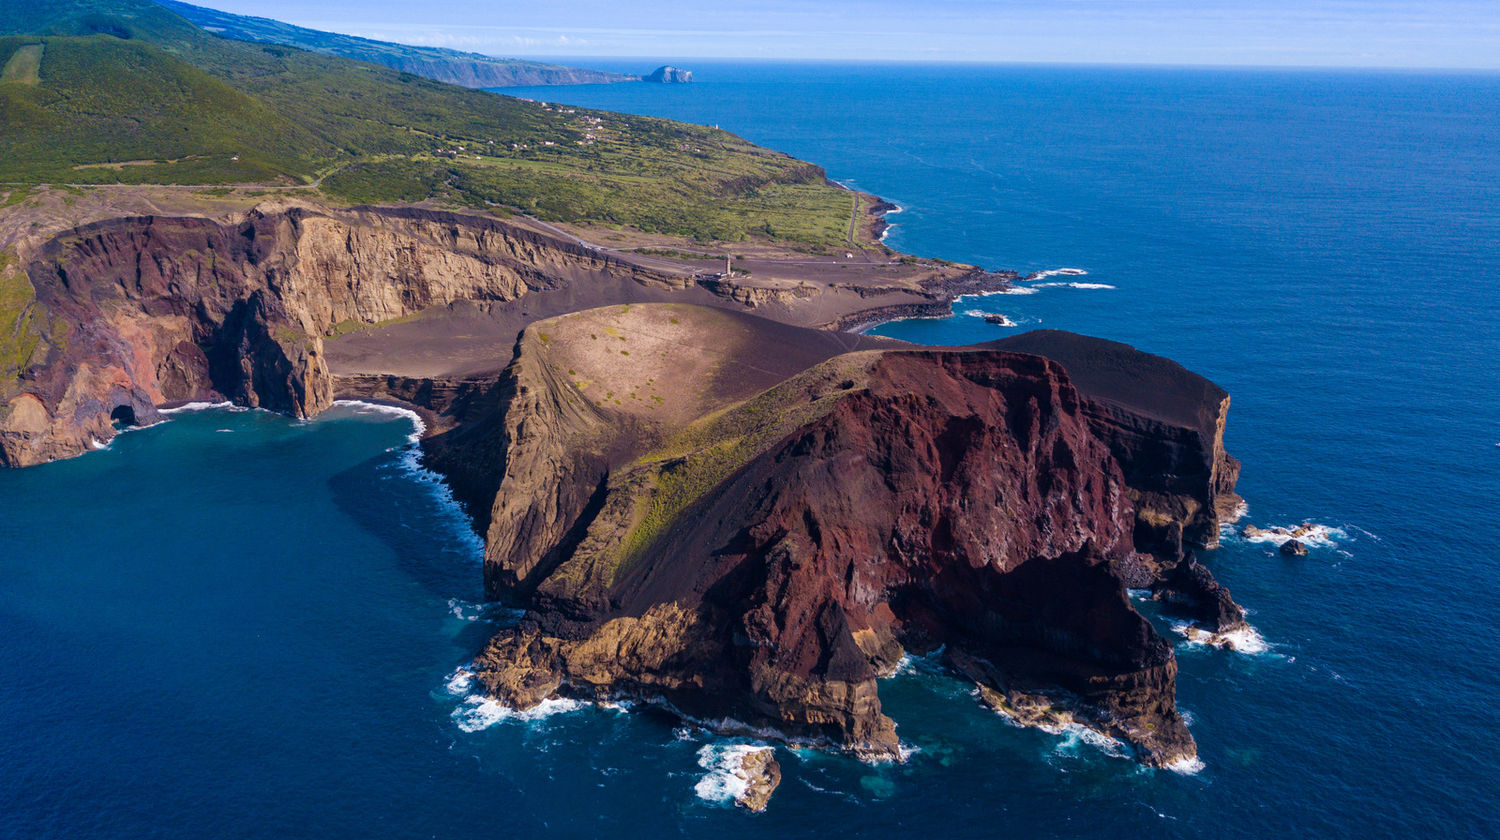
(20, 321)
(703, 455)
(165, 109)
(155, 88)
(24, 65)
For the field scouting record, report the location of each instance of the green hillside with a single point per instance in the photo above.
(125, 91)
(106, 109)
(444, 65)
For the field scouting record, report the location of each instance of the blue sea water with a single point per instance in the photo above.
(238, 625)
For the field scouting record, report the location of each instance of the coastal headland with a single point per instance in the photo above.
(703, 491)
(635, 347)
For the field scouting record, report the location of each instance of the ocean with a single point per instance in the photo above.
(239, 625)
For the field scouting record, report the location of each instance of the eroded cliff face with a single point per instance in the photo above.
(287, 306)
(1164, 426)
(746, 520)
(768, 563)
(147, 311)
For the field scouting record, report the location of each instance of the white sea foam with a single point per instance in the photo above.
(1246, 640)
(97, 444)
(460, 682)
(202, 406)
(1077, 735)
(1071, 286)
(1323, 536)
(907, 665)
(477, 713)
(472, 611)
(1016, 290)
(1187, 766)
(411, 464)
(980, 313)
(1073, 735)
(726, 779)
(1054, 272)
(419, 427)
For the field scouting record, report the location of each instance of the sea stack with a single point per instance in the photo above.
(667, 74)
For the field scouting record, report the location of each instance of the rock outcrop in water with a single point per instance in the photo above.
(667, 74)
(692, 519)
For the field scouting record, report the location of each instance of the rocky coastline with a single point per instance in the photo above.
(135, 312)
(705, 491)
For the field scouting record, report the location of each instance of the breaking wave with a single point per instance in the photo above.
(1053, 272)
(411, 464)
(1312, 534)
(725, 780)
(1005, 320)
(1187, 766)
(203, 406)
(1071, 286)
(1246, 640)
(1075, 736)
(478, 713)
(480, 611)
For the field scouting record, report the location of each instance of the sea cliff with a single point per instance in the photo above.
(762, 554)
(274, 307)
(702, 493)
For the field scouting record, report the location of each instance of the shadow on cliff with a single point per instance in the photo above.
(427, 535)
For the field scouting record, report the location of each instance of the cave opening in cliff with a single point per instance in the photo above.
(123, 416)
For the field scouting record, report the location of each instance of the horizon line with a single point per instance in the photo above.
(572, 58)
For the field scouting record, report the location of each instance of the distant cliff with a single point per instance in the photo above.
(452, 66)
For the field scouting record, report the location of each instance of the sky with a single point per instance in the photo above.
(1352, 33)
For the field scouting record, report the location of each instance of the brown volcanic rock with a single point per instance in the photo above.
(1164, 425)
(155, 310)
(769, 562)
(287, 306)
(737, 517)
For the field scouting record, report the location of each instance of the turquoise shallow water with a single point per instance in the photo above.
(238, 625)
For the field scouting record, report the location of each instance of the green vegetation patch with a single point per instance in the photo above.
(112, 111)
(707, 452)
(21, 329)
(24, 66)
(133, 93)
(348, 326)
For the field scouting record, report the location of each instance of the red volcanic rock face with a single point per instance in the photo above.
(958, 499)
